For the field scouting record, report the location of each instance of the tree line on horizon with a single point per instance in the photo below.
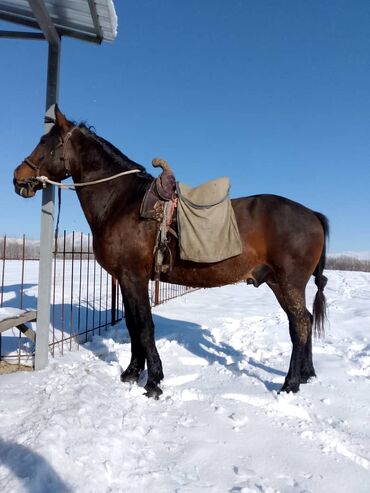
(66, 246)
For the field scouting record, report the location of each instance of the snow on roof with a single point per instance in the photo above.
(94, 21)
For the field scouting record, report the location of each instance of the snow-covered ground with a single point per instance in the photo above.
(220, 425)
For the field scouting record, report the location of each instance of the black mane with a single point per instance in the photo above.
(114, 153)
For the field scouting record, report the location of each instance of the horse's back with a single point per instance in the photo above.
(280, 230)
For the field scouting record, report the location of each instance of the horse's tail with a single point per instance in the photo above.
(319, 304)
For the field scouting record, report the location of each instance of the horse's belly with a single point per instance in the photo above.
(211, 275)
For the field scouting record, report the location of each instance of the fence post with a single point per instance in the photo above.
(156, 291)
(3, 274)
(113, 304)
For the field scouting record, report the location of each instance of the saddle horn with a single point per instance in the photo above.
(161, 163)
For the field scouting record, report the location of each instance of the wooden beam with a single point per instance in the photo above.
(8, 323)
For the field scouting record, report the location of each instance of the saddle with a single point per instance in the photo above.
(204, 223)
(161, 190)
(159, 204)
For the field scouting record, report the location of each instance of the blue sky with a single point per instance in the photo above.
(274, 95)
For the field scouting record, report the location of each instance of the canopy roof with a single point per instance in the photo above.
(89, 20)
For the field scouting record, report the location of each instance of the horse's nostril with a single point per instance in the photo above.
(23, 188)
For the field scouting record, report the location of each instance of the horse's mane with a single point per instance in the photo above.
(115, 154)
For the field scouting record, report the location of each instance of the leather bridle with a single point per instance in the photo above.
(64, 157)
(32, 182)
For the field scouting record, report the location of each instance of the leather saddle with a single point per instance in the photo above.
(161, 190)
(159, 204)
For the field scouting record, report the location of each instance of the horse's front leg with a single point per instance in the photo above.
(141, 329)
(137, 363)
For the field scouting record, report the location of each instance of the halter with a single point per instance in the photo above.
(62, 143)
(44, 180)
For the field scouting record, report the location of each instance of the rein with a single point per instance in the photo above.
(45, 180)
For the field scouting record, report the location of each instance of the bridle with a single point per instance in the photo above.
(64, 157)
(44, 180)
(32, 182)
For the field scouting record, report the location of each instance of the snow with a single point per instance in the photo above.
(220, 425)
(9, 312)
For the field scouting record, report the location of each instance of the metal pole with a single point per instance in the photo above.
(47, 225)
(114, 301)
(156, 291)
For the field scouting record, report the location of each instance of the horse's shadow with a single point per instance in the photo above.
(31, 469)
(196, 339)
(200, 342)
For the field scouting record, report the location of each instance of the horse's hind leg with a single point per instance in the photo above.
(141, 330)
(292, 300)
(307, 368)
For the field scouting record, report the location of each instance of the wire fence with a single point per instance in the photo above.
(85, 299)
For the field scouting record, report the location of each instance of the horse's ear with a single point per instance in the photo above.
(61, 120)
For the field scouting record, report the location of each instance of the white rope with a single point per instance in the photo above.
(45, 180)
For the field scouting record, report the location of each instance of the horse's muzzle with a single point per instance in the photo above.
(24, 189)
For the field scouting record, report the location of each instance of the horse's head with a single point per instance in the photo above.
(47, 159)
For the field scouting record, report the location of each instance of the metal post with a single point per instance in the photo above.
(114, 302)
(156, 291)
(47, 225)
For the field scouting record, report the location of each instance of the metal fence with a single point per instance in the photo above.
(85, 299)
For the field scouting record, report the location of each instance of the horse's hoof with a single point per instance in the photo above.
(129, 377)
(306, 377)
(289, 387)
(153, 391)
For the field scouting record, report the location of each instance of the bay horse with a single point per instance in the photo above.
(283, 244)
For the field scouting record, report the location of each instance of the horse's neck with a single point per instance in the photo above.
(101, 201)
(93, 161)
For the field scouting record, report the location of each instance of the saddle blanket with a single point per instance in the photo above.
(207, 228)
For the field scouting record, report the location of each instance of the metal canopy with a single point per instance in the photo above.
(88, 20)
